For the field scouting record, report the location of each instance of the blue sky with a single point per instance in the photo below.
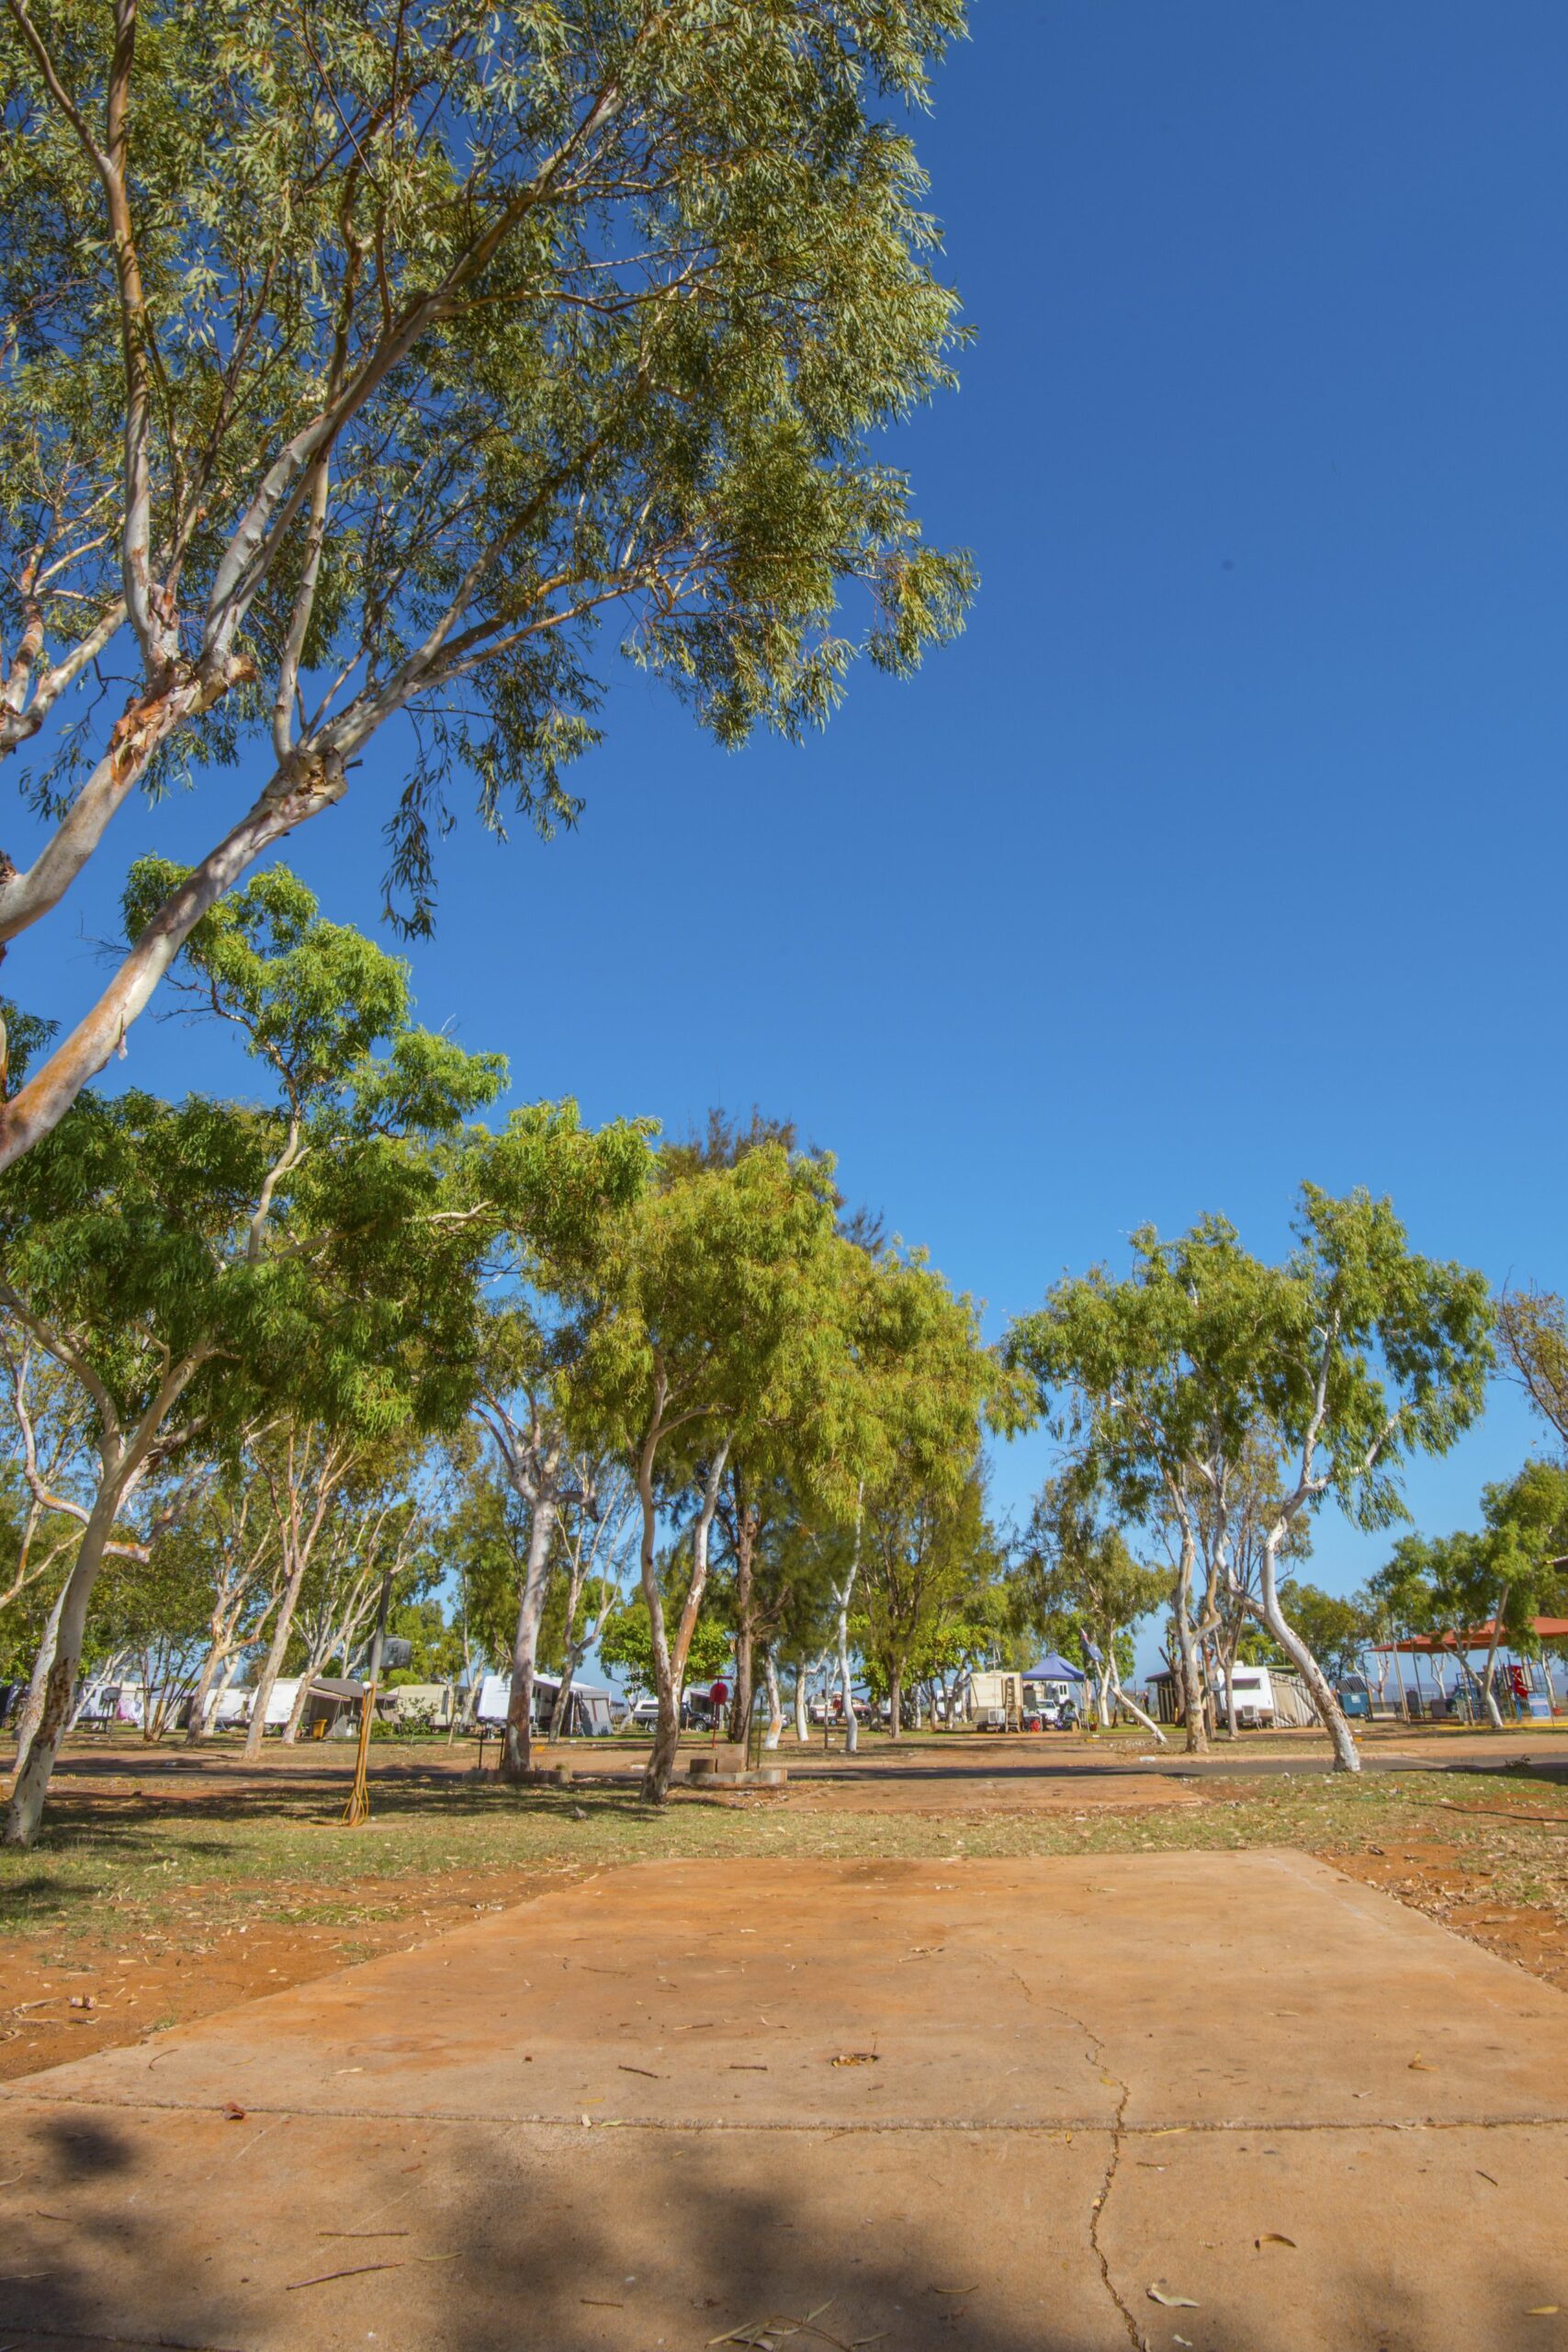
(1227, 846)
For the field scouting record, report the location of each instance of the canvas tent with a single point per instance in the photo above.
(331, 1706)
(1052, 1679)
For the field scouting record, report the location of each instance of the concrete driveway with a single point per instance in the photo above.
(1220, 2100)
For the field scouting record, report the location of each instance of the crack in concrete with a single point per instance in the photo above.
(1097, 2215)
(1095, 2053)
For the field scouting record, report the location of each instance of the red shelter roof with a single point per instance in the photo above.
(1545, 1629)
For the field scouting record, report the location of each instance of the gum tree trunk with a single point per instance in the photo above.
(32, 1706)
(846, 1685)
(1186, 1655)
(670, 1664)
(1134, 1709)
(774, 1732)
(517, 1747)
(1347, 1754)
(31, 1783)
(745, 1628)
(272, 1666)
(1488, 1685)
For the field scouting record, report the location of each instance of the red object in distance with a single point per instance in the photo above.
(719, 1696)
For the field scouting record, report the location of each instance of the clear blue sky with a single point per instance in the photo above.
(1229, 846)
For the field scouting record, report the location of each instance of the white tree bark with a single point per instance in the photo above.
(1347, 1754)
(669, 1665)
(846, 1683)
(774, 1732)
(1134, 1710)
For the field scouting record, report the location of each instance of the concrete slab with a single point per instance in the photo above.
(987, 2104)
(1029, 1993)
(571, 2240)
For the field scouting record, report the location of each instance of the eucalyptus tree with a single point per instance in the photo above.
(546, 1193)
(190, 1266)
(1335, 1626)
(244, 1561)
(374, 1549)
(595, 1540)
(1532, 1327)
(1476, 1588)
(357, 375)
(299, 1466)
(1436, 1591)
(726, 1323)
(760, 1480)
(1340, 1362)
(914, 1387)
(1526, 1553)
(928, 1555)
(1082, 1580)
(43, 1455)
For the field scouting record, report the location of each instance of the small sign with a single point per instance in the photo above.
(719, 1695)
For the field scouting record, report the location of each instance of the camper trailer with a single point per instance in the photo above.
(589, 1715)
(993, 1701)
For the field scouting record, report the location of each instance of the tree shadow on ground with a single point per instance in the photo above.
(270, 2232)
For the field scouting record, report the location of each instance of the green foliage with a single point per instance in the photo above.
(1080, 1576)
(437, 1645)
(1533, 1328)
(289, 1250)
(726, 1294)
(454, 331)
(1354, 1348)
(929, 1563)
(626, 1647)
(1336, 1629)
(484, 1541)
(1511, 1569)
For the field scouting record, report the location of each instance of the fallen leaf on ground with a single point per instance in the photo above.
(1273, 2237)
(233, 2111)
(1172, 2302)
(1542, 2310)
(857, 2058)
(955, 2290)
(1487, 2175)
(1418, 2065)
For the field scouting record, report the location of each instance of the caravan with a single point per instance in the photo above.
(589, 1715)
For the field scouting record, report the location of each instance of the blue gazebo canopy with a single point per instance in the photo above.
(1052, 1667)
